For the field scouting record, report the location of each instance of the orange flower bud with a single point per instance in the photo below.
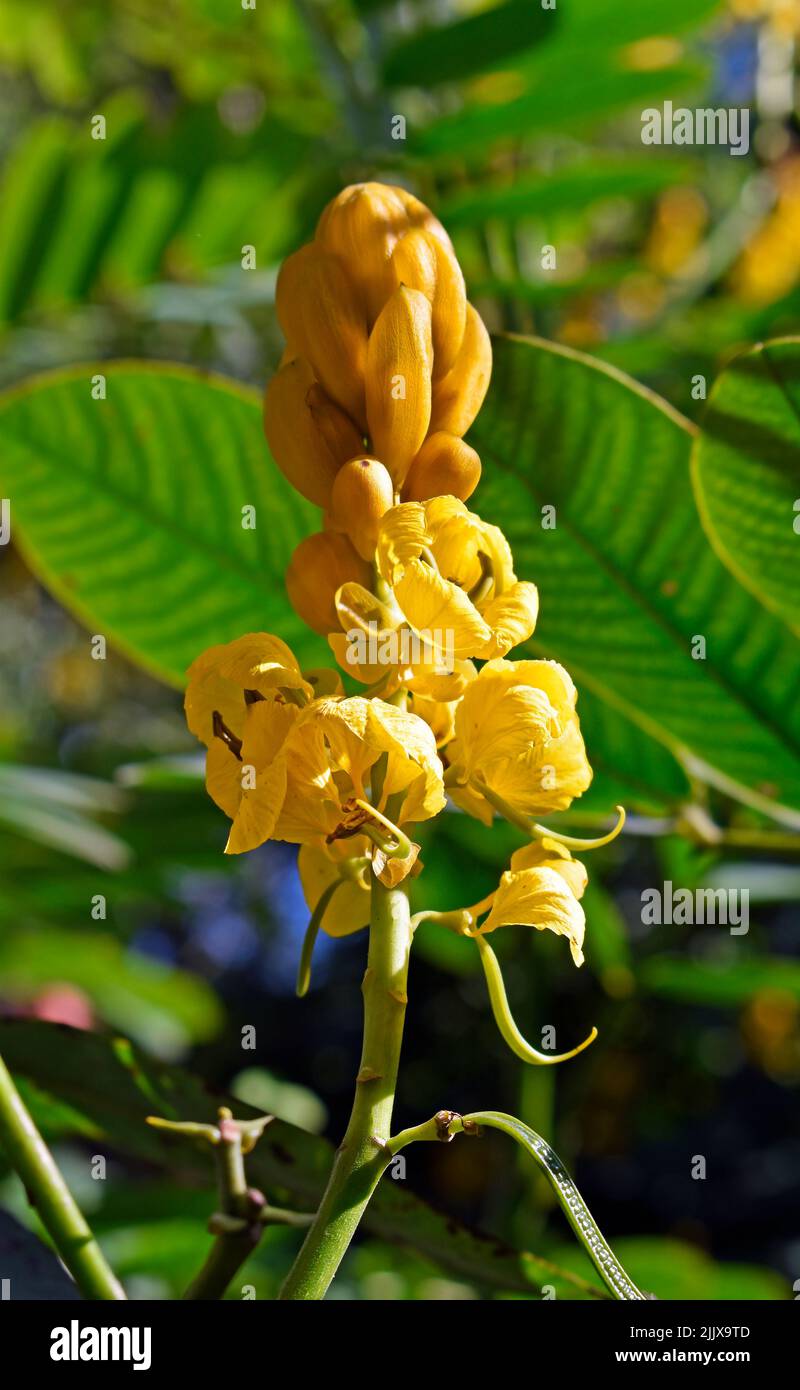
(444, 467)
(458, 397)
(399, 363)
(362, 226)
(319, 566)
(423, 263)
(334, 424)
(362, 493)
(319, 310)
(309, 437)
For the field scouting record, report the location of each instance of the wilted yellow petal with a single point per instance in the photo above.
(399, 366)
(549, 854)
(319, 866)
(539, 898)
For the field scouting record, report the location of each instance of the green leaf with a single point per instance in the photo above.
(83, 218)
(627, 577)
(115, 1086)
(166, 1007)
(580, 98)
(55, 809)
(677, 1270)
(129, 509)
(724, 983)
(568, 190)
(746, 472)
(474, 44)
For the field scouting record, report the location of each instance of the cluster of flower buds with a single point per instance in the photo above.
(385, 370)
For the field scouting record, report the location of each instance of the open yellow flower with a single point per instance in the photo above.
(541, 890)
(344, 750)
(242, 699)
(452, 573)
(378, 648)
(518, 738)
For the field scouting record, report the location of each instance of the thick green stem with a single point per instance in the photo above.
(361, 1157)
(48, 1193)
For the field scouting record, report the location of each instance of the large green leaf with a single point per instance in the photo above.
(473, 44)
(627, 578)
(130, 508)
(746, 471)
(562, 100)
(114, 1086)
(570, 189)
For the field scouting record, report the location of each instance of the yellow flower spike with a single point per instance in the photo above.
(421, 262)
(320, 313)
(398, 384)
(362, 493)
(319, 566)
(452, 573)
(458, 396)
(309, 436)
(518, 745)
(504, 1019)
(444, 467)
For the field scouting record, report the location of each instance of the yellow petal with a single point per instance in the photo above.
(319, 866)
(512, 617)
(206, 691)
(260, 661)
(539, 898)
(549, 854)
(433, 604)
(517, 731)
(311, 807)
(399, 365)
(357, 732)
(223, 777)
